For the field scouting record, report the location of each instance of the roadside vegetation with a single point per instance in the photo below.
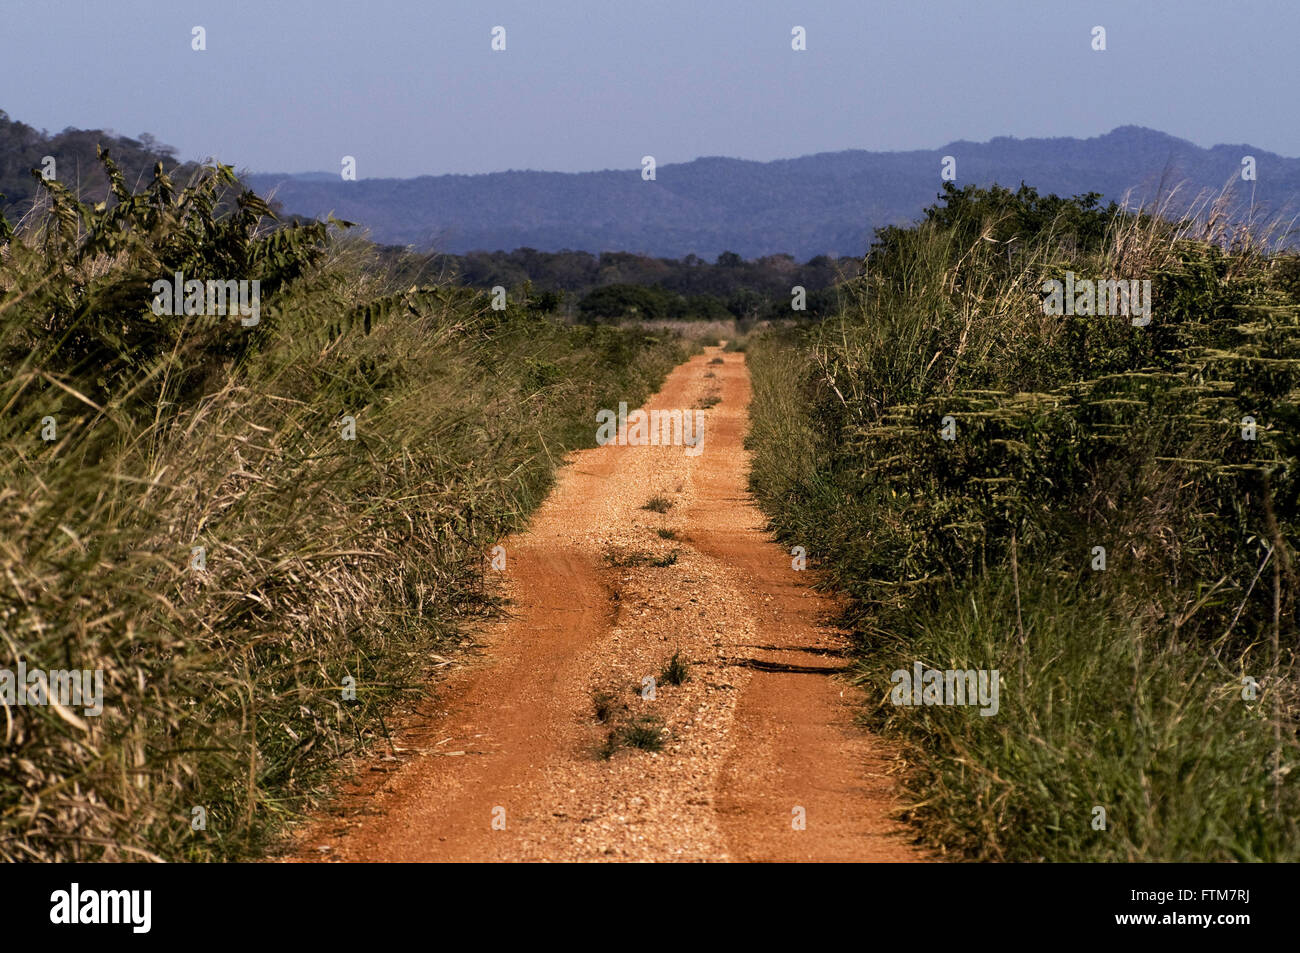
(1148, 701)
(263, 535)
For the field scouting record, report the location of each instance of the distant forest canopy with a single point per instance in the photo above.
(614, 285)
(24, 148)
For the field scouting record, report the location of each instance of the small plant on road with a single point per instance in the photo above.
(602, 703)
(625, 558)
(645, 732)
(658, 504)
(677, 671)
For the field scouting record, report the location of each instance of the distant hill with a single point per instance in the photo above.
(23, 148)
(826, 204)
(821, 204)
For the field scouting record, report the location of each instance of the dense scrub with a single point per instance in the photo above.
(1160, 688)
(182, 508)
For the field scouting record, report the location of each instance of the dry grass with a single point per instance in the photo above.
(329, 563)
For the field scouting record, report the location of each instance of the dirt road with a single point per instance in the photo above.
(528, 751)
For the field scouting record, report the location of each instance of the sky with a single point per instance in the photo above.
(413, 87)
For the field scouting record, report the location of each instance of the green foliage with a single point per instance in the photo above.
(617, 285)
(6, 230)
(626, 301)
(1072, 432)
(97, 264)
(643, 732)
(1094, 712)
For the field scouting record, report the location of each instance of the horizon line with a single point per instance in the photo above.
(796, 158)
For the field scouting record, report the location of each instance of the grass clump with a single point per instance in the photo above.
(658, 504)
(677, 671)
(643, 732)
(604, 703)
(627, 558)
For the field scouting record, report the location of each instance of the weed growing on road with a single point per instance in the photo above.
(603, 703)
(677, 671)
(645, 732)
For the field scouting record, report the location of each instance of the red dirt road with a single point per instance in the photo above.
(508, 762)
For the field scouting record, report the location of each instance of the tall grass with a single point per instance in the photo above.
(329, 563)
(1127, 689)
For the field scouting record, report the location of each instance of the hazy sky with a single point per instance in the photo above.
(412, 87)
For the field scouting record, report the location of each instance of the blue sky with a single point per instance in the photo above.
(412, 88)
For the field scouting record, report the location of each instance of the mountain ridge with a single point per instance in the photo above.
(822, 203)
(1154, 134)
